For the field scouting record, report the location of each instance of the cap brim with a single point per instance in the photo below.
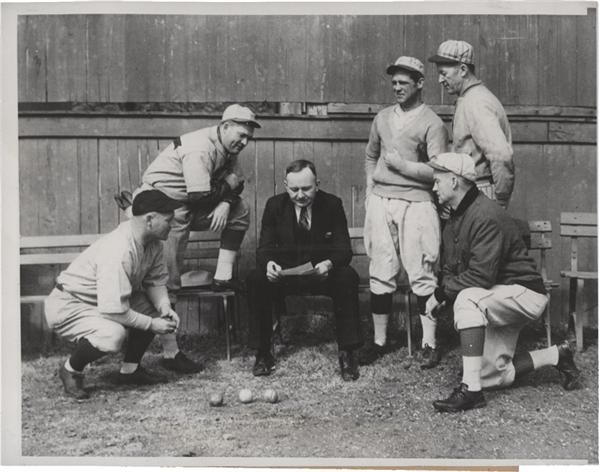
(437, 167)
(393, 68)
(442, 60)
(254, 124)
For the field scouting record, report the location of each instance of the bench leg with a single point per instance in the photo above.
(578, 318)
(227, 327)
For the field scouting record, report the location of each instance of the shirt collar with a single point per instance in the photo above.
(465, 203)
(470, 86)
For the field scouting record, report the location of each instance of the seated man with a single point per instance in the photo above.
(116, 289)
(304, 225)
(494, 286)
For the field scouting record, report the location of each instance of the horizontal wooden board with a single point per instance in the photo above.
(70, 240)
(572, 132)
(577, 274)
(540, 226)
(44, 259)
(578, 218)
(580, 231)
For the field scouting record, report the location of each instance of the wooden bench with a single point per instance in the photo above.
(576, 226)
(540, 239)
(62, 250)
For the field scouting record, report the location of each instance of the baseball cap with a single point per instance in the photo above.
(457, 163)
(240, 114)
(153, 200)
(406, 63)
(453, 51)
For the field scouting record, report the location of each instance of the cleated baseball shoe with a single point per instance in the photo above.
(431, 357)
(372, 353)
(566, 366)
(460, 399)
(141, 376)
(348, 365)
(73, 383)
(182, 364)
(263, 365)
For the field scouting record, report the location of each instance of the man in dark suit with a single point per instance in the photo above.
(304, 225)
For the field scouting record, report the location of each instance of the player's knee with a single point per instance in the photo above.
(241, 216)
(468, 313)
(109, 339)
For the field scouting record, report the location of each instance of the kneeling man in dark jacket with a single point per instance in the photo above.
(299, 226)
(493, 285)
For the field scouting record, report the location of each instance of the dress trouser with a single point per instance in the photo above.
(341, 285)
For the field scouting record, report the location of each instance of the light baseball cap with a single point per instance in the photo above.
(453, 51)
(457, 163)
(406, 63)
(240, 114)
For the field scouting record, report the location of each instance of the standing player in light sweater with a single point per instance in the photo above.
(401, 223)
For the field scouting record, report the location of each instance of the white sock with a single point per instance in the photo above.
(169, 344)
(225, 264)
(69, 367)
(544, 357)
(472, 372)
(129, 367)
(429, 325)
(380, 323)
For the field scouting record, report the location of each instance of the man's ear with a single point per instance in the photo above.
(464, 69)
(421, 83)
(317, 182)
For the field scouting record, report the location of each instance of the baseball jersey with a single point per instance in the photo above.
(417, 136)
(111, 269)
(480, 128)
(188, 163)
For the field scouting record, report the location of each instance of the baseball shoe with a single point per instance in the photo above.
(141, 376)
(263, 365)
(431, 357)
(460, 399)
(182, 364)
(224, 285)
(566, 366)
(348, 365)
(372, 353)
(73, 383)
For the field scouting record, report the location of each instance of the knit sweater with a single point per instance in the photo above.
(419, 139)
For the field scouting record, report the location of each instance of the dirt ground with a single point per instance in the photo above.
(387, 413)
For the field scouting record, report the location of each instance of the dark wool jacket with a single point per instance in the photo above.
(281, 242)
(481, 247)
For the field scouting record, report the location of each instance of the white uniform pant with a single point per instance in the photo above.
(73, 319)
(401, 232)
(503, 310)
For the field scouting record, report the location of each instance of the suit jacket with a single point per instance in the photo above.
(279, 240)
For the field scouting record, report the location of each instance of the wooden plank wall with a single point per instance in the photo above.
(176, 58)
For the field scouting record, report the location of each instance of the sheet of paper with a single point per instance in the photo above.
(304, 269)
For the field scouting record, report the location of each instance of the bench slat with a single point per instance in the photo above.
(582, 231)
(570, 218)
(577, 274)
(540, 226)
(60, 258)
(71, 240)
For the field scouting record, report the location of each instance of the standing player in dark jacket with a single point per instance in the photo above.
(493, 285)
(304, 225)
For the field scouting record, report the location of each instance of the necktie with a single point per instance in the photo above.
(303, 221)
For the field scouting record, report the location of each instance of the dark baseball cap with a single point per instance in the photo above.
(153, 200)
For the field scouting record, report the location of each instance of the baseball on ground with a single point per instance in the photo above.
(216, 399)
(270, 395)
(245, 395)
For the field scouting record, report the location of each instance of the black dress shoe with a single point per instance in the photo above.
(348, 365)
(566, 366)
(263, 365)
(224, 285)
(372, 353)
(73, 383)
(182, 364)
(460, 399)
(431, 357)
(141, 376)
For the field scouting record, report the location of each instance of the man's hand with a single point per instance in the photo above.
(394, 161)
(219, 216)
(171, 315)
(322, 269)
(432, 306)
(273, 271)
(162, 326)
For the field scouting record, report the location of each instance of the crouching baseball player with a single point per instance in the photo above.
(115, 291)
(493, 285)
